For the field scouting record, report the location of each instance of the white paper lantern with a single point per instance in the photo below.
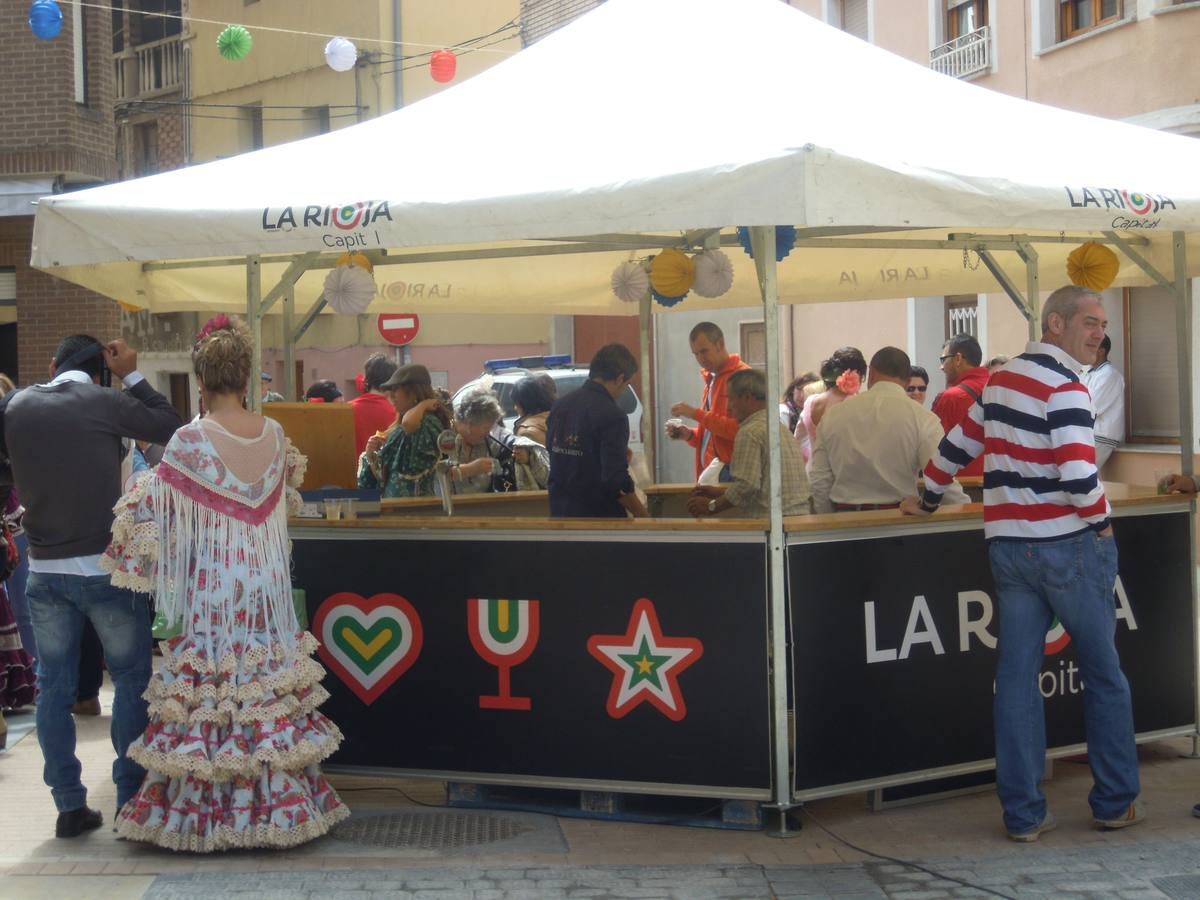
(630, 281)
(349, 289)
(341, 54)
(714, 273)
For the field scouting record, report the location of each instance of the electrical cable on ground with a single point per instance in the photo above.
(900, 862)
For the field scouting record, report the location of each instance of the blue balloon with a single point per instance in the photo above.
(45, 19)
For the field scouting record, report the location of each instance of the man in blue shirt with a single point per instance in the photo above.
(588, 438)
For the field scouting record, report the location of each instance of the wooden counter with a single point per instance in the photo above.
(515, 503)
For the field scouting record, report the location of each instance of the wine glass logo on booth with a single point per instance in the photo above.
(503, 633)
(368, 642)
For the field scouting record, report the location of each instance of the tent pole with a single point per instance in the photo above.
(289, 346)
(1010, 288)
(1183, 338)
(763, 243)
(1182, 289)
(309, 318)
(1033, 292)
(645, 335)
(254, 320)
(1144, 264)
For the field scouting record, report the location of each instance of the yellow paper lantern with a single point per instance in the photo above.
(130, 307)
(355, 259)
(672, 273)
(1093, 266)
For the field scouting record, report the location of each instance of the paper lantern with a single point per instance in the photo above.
(341, 54)
(630, 281)
(45, 19)
(234, 42)
(355, 259)
(714, 273)
(130, 307)
(672, 273)
(663, 299)
(1093, 266)
(785, 240)
(349, 290)
(442, 66)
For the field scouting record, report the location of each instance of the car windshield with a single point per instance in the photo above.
(565, 383)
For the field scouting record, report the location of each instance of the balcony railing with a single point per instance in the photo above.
(149, 70)
(963, 56)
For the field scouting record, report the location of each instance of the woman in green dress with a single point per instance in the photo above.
(401, 461)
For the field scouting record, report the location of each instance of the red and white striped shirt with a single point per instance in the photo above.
(1034, 429)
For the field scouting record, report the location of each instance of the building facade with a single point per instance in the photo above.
(56, 134)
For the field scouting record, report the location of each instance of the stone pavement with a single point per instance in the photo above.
(515, 855)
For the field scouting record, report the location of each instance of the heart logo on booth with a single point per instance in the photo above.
(368, 642)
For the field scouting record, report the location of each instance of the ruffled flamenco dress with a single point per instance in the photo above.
(17, 682)
(234, 739)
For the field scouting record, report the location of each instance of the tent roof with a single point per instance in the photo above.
(647, 117)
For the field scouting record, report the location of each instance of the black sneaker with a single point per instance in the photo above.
(75, 822)
(1196, 810)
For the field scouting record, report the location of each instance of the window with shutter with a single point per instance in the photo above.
(1151, 374)
(854, 18)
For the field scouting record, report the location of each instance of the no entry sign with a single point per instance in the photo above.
(398, 328)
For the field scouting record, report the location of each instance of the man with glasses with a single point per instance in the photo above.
(962, 364)
(918, 384)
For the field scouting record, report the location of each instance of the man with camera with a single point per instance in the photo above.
(64, 441)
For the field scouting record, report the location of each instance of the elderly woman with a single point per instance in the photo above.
(401, 461)
(482, 462)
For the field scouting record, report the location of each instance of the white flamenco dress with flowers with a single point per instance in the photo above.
(235, 739)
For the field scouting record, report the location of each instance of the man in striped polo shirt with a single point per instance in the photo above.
(1046, 521)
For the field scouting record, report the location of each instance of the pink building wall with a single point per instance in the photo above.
(459, 364)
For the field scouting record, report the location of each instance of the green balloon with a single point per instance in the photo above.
(234, 42)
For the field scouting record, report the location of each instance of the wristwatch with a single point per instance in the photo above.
(712, 505)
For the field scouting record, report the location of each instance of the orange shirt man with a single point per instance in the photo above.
(715, 428)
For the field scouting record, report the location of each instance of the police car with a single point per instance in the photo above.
(502, 374)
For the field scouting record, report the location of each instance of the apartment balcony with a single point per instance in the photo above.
(964, 56)
(149, 70)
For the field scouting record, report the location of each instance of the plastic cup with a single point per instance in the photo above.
(333, 509)
(1162, 480)
(349, 508)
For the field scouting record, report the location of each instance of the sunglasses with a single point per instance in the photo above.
(913, 389)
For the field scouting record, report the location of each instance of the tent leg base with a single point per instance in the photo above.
(789, 820)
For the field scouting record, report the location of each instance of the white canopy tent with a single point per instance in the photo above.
(648, 124)
(646, 117)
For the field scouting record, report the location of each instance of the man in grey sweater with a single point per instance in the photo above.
(64, 441)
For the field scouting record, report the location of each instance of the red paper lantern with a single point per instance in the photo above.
(442, 65)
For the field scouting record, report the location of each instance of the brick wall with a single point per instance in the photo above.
(43, 131)
(48, 309)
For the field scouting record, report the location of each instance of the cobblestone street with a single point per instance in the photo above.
(530, 856)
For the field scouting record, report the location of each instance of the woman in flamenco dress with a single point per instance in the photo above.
(233, 746)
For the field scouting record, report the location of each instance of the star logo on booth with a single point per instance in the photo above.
(645, 664)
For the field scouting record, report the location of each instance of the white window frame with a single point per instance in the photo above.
(78, 45)
(1044, 25)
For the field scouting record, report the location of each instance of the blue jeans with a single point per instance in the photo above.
(59, 604)
(1072, 578)
(16, 596)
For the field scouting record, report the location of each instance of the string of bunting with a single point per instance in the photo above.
(236, 41)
